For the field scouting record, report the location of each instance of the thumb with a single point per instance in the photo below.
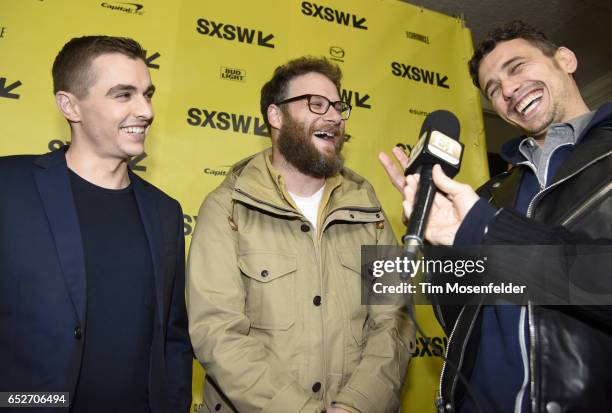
(444, 183)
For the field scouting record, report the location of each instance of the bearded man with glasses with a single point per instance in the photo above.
(274, 298)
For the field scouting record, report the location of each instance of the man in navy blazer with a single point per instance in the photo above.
(92, 256)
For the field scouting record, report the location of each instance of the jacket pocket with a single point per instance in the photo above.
(270, 283)
(213, 401)
(357, 313)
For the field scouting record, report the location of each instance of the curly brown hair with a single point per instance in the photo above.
(513, 30)
(275, 89)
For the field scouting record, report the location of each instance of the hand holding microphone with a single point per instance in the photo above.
(433, 216)
(449, 207)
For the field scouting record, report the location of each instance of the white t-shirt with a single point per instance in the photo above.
(309, 205)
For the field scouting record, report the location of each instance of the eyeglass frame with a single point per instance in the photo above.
(308, 96)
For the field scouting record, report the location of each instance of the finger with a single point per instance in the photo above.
(395, 175)
(446, 184)
(401, 156)
(407, 208)
(410, 189)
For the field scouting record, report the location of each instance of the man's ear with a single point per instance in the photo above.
(275, 116)
(67, 104)
(566, 59)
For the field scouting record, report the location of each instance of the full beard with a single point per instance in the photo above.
(296, 147)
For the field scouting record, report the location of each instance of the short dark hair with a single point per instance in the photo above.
(72, 66)
(275, 89)
(513, 30)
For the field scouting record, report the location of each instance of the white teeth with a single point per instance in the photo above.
(324, 134)
(527, 100)
(133, 129)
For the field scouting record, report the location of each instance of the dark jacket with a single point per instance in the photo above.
(43, 290)
(569, 346)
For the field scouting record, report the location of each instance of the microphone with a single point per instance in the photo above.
(438, 144)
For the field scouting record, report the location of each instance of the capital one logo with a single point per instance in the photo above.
(128, 8)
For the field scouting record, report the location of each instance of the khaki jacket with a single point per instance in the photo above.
(275, 313)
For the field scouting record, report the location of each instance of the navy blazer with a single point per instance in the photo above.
(43, 292)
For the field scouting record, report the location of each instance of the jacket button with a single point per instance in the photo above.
(316, 300)
(218, 407)
(553, 407)
(316, 387)
(77, 333)
(305, 227)
(264, 273)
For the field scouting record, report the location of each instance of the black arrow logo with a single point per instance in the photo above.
(5, 91)
(133, 162)
(442, 81)
(150, 59)
(359, 24)
(361, 101)
(260, 129)
(264, 41)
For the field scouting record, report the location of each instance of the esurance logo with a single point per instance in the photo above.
(230, 73)
(332, 15)
(128, 8)
(232, 32)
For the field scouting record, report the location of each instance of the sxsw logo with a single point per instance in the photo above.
(245, 124)
(430, 346)
(150, 59)
(230, 73)
(8, 91)
(332, 15)
(355, 99)
(128, 8)
(231, 32)
(133, 163)
(418, 37)
(188, 224)
(418, 74)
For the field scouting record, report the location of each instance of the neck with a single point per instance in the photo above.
(578, 108)
(295, 181)
(110, 173)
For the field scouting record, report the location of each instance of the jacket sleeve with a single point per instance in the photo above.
(558, 266)
(376, 384)
(179, 355)
(247, 372)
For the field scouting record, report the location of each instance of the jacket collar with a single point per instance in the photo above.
(53, 183)
(258, 183)
(510, 150)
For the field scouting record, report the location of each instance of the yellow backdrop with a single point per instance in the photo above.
(209, 59)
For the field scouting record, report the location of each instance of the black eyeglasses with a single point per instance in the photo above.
(320, 105)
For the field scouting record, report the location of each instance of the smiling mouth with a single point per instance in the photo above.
(529, 102)
(134, 129)
(325, 135)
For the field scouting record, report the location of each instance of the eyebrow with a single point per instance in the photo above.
(128, 88)
(504, 66)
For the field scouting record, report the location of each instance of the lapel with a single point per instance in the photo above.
(149, 214)
(53, 183)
